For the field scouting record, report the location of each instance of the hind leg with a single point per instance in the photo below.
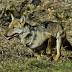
(49, 47)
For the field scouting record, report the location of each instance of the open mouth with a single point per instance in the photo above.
(12, 36)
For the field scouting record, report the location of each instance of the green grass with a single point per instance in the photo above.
(34, 65)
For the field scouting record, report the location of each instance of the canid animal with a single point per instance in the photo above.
(34, 37)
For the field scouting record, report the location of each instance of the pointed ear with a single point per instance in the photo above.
(12, 17)
(22, 19)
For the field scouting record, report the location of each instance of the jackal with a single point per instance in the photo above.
(34, 37)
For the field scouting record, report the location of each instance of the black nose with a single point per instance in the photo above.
(7, 37)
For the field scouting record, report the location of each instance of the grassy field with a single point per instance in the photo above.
(34, 65)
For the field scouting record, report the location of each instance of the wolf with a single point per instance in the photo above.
(34, 37)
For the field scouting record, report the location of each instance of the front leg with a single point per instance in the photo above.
(58, 46)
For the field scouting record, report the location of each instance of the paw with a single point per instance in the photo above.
(56, 57)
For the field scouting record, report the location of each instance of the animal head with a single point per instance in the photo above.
(17, 23)
(15, 27)
(14, 32)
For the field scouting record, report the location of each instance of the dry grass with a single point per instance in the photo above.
(14, 57)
